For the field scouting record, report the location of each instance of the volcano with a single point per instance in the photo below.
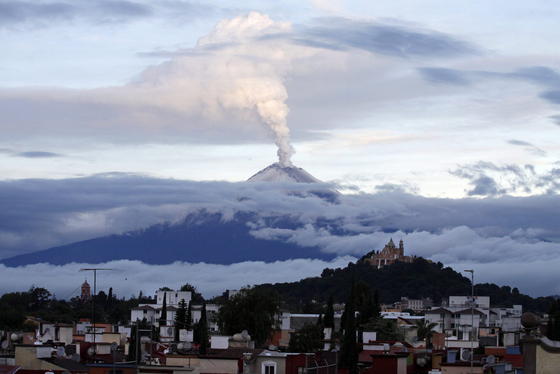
(284, 174)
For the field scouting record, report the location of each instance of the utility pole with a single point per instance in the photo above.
(471, 335)
(95, 270)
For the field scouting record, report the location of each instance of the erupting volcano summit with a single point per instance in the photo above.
(279, 173)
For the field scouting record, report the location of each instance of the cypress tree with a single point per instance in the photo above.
(188, 317)
(328, 320)
(203, 330)
(553, 326)
(163, 316)
(180, 318)
(349, 348)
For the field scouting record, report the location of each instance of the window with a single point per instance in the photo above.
(268, 367)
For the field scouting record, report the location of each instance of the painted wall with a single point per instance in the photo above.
(547, 362)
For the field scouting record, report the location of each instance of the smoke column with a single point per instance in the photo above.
(257, 85)
(235, 70)
(274, 114)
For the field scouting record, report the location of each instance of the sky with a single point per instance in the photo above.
(435, 100)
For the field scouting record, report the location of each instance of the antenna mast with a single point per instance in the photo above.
(94, 270)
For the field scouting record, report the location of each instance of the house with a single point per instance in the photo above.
(46, 358)
(152, 312)
(387, 363)
(416, 305)
(211, 315)
(290, 322)
(462, 368)
(460, 318)
(54, 332)
(275, 362)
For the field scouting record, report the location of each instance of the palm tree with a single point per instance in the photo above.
(425, 331)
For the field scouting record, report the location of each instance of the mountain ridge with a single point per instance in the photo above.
(202, 236)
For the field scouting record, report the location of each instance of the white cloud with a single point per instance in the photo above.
(129, 277)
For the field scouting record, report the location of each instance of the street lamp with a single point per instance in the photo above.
(471, 335)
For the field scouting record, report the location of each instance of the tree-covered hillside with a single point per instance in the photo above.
(419, 279)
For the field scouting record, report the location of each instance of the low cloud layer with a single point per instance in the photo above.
(520, 231)
(129, 277)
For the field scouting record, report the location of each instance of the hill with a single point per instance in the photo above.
(418, 279)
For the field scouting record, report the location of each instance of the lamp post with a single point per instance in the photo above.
(471, 335)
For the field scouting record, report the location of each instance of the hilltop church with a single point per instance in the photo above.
(388, 255)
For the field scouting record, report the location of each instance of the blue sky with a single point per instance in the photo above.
(437, 99)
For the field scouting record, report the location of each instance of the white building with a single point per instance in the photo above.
(458, 319)
(173, 298)
(465, 301)
(211, 315)
(152, 312)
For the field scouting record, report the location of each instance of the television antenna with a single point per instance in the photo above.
(94, 270)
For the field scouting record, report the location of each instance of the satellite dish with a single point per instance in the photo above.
(15, 337)
(421, 361)
(114, 347)
(91, 351)
(5, 344)
(491, 359)
(60, 352)
(465, 355)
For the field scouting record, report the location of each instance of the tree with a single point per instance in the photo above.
(553, 326)
(163, 316)
(133, 349)
(424, 330)
(252, 309)
(196, 296)
(203, 331)
(328, 320)
(308, 339)
(188, 317)
(39, 297)
(365, 303)
(386, 329)
(180, 318)
(349, 347)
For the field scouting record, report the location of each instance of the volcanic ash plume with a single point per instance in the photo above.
(257, 77)
(274, 114)
(235, 70)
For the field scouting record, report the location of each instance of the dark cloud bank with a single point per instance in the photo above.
(509, 240)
